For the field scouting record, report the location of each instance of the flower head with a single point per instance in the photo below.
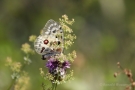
(26, 48)
(32, 38)
(52, 64)
(57, 68)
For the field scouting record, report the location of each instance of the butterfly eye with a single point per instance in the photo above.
(46, 41)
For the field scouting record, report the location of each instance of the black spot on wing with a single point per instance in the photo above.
(60, 27)
(42, 49)
(54, 31)
(59, 42)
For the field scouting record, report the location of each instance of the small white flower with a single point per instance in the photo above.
(27, 60)
(14, 75)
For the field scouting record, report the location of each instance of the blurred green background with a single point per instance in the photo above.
(105, 32)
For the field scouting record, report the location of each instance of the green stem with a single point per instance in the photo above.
(43, 86)
(55, 86)
(13, 81)
(11, 85)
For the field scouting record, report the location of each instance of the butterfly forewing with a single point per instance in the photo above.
(49, 27)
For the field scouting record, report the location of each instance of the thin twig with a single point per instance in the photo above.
(11, 85)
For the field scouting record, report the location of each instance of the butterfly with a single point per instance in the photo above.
(50, 42)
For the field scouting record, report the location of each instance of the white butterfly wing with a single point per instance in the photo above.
(52, 33)
(39, 45)
(50, 26)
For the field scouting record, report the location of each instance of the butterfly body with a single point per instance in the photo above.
(50, 42)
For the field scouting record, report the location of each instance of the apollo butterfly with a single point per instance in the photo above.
(50, 42)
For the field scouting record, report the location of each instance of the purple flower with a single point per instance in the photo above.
(66, 64)
(52, 64)
(56, 67)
